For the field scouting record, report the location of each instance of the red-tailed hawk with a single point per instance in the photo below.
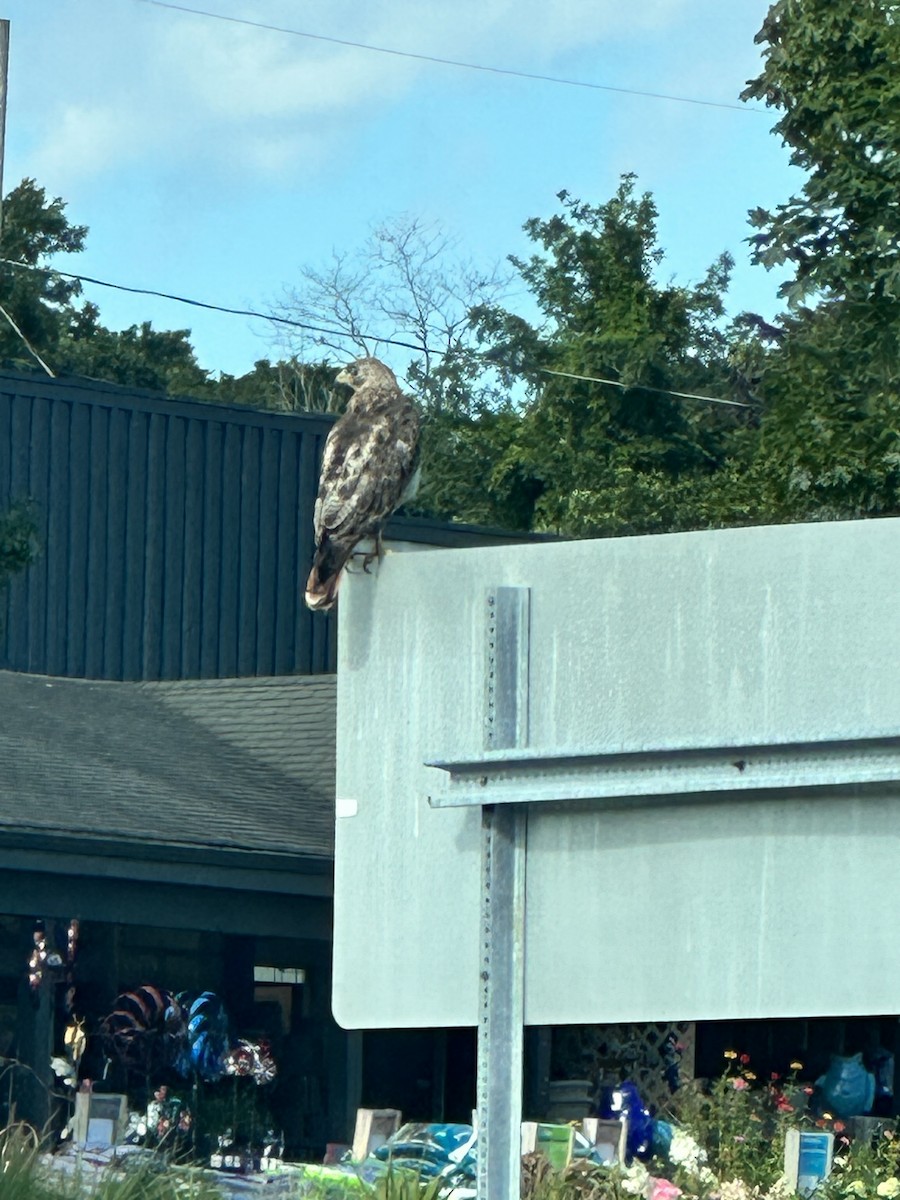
(369, 467)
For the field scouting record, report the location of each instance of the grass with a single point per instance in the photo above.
(25, 1175)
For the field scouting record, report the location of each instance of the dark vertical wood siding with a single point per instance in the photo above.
(175, 536)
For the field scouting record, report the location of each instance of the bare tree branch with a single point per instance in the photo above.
(406, 282)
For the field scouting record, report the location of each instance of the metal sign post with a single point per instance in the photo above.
(501, 1003)
(502, 952)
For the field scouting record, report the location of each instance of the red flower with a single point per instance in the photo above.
(744, 1059)
(839, 1127)
(739, 1084)
(774, 1076)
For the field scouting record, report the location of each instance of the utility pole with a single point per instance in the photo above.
(4, 76)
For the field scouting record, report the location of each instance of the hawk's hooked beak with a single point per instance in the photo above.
(343, 376)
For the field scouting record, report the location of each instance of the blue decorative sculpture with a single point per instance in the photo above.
(847, 1089)
(625, 1100)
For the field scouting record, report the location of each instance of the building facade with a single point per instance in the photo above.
(171, 734)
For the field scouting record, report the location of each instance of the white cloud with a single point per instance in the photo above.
(85, 140)
(153, 81)
(237, 73)
(541, 30)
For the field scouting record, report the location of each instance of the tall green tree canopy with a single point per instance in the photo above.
(831, 66)
(585, 457)
(34, 228)
(288, 385)
(139, 356)
(52, 324)
(831, 434)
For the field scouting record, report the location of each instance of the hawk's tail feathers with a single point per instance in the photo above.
(325, 577)
(321, 594)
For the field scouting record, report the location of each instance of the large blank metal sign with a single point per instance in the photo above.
(709, 748)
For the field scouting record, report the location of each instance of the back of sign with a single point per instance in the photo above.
(645, 904)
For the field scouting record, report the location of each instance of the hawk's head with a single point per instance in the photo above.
(366, 372)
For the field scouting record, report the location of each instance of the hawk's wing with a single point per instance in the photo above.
(369, 459)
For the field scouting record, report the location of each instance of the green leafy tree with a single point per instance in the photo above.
(34, 229)
(139, 356)
(583, 457)
(44, 321)
(831, 66)
(288, 385)
(831, 434)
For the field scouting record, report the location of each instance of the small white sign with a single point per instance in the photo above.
(807, 1159)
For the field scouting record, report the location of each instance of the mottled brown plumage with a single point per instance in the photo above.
(368, 469)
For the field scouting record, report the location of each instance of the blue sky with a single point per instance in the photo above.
(216, 160)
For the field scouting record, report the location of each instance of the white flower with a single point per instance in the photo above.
(780, 1189)
(735, 1189)
(64, 1069)
(685, 1152)
(635, 1179)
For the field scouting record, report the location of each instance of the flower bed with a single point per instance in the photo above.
(727, 1142)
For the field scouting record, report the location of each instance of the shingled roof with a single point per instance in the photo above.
(238, 764)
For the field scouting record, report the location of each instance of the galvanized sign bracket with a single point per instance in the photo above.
(810, 766)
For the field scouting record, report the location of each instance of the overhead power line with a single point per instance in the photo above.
(452, 62)
(28, 346)
(236, 312)
(340, 333)
(627, 387)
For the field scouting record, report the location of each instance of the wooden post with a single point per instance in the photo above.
(4, 78)
(34, 1077)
